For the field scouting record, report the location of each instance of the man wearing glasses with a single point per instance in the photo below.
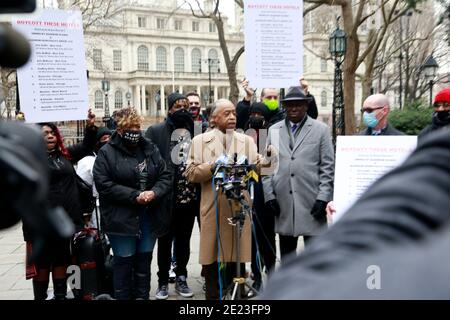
(375, 116)
(299, 190)
(441, 114)
(194, 109)
(269, 96)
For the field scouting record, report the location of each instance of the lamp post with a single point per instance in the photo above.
(210, 62)
(338, 47)
(105, 87)
(158, 102)
(128, 97)
(430, 69)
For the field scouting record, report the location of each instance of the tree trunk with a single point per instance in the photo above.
(350, 66)
(234, 89)
(230, 64)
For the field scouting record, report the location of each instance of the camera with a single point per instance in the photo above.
(17, 6)
(23, 156)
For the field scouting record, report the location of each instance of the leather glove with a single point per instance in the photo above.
(319, 211)
(274, 207)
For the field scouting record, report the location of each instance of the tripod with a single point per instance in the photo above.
(241, 208)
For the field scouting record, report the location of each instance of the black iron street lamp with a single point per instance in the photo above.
(105, 87)
(338, 47)
(429, 69)
(211, 62)
(128, 97)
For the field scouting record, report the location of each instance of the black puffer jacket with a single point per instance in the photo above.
(117, 181)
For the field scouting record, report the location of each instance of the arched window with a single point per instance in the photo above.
(161, 59)
(142, 58)
(98, 103)
(118, 99)
(178, 57)
(323, 99)
(214, 58)
(196, 57)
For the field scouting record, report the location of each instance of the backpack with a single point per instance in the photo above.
(87, 199)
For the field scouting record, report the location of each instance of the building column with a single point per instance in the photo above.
(137, 99)
(199, 91)
(163, 101)
(228, 92)
(216, 93)
(143, 109)
(151, 100)
(180, 89)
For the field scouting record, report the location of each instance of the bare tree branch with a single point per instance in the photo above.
(216, 9)
(237, 55)
(311, 8)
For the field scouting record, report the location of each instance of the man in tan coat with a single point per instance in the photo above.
(205, 150)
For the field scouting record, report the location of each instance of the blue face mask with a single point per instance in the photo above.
(370, 119)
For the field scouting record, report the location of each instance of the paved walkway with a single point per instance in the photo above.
(14, 286)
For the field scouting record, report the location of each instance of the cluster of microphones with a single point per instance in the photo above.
(234, 173)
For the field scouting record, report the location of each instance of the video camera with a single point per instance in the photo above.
(23, 156)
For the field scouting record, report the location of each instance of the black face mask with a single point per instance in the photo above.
(441, 118)
(182, 119)
(99, 144)
(256, 122)
(131, 137)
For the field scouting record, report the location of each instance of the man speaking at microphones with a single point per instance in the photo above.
(210, 151)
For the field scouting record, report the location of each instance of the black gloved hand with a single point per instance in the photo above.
(319, 211)
(273, 206)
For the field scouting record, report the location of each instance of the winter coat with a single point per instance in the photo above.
(305, 174)
(205, 150)
(387, 131)
(116, 178)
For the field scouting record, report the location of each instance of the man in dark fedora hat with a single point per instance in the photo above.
(302, 185)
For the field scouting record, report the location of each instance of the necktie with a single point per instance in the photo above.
(294, 128)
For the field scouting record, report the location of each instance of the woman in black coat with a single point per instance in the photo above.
(132, 181)
(54, 254)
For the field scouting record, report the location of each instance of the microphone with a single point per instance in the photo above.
(242, 160)
(15, 50)
(219, 177)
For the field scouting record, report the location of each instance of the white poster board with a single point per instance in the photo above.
(361, 160)
(273, 42)
(53, 84)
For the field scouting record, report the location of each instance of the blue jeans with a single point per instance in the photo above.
(127, 246)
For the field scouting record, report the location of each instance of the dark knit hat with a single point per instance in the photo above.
(443, 96)
(103, 131)
(172, 98)
(259, 107)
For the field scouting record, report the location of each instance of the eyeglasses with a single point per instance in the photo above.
(271, 97)
(445, 105)
(370, 110)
